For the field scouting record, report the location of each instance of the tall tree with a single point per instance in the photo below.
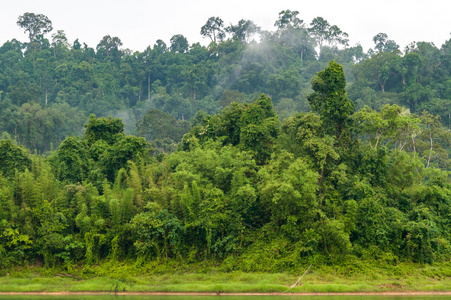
(383, 44)
(214, 29)
(244, 30)
(59, 42)
(379, 68)
(110, 45)
(330, 100)
(288, 19)
(319, 28)
(160, 47)
(106, 129)
(324, 32)
(179, 44)
(34, 24)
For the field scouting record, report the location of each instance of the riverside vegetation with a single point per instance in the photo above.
(250, 184)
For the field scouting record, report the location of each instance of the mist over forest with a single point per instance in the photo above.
(50, 77)
(263, 151)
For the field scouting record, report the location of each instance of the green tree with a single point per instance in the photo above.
(433, 140)
(34, 24)
(378, 68)
(127, 148)
(162, 129)
(288, 187)
(13, 246)
(60, 43)
(389, 126)
(244, 30)
(330, 100)
(12, 158)
(288, 19)
(71, 161)
(324, 32)
(383, 44)
(157, 233)
(110, 45)
(253, 127)
(214, 29)
(179, 44)
(105, 129)
(50, 239)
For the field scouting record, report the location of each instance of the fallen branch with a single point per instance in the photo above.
(292, 286)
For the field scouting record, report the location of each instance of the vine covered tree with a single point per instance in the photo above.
(330, 100)
(13, 157)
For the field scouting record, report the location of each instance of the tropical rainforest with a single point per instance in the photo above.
(263, 151)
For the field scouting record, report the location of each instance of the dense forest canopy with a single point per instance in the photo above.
(259, 155)
(49, 85)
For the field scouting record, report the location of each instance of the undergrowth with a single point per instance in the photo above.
(209, 276)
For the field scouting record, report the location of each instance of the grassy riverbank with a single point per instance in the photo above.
(128, 278)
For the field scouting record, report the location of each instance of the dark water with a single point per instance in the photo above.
(224, 297)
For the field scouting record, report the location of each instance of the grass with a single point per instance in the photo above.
(125, 277)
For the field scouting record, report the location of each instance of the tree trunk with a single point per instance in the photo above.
(148, 87)
(431, 149)
(382, 86)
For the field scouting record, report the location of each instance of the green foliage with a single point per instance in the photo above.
(34, 24)
(232, 187)
(72, 160)
(105, 129)
(157, 233)
(304, 135)
(390, 126)
(13, 158)
(129, 148)
(288, 188)
(253, 127)
(330, 100)
(13, 247)
(101, 154)
(162, 129)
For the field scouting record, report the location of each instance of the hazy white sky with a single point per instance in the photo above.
(139, 23)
